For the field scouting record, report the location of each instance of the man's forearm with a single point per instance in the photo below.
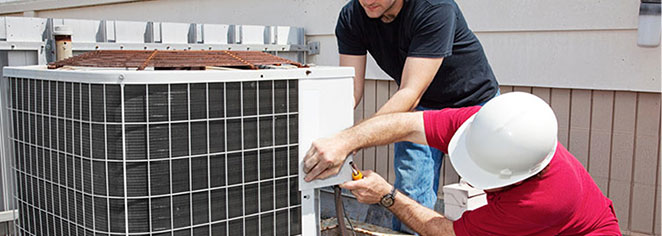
(419, 218)
(417, 75)
(385, 129)
(358, 62)
(401, 101)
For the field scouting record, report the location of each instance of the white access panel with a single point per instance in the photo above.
(330, 104)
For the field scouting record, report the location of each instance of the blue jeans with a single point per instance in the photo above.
(416, 174)
(417, 170)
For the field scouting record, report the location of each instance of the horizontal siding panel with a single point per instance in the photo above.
(645, 162)
(369, 109)
(393, 87)
(358, 117)
(517, 15)
(647, 138)
(543, 93)
(382, 158)
(522, 89)
(620, 182)
(560, 103)
(643, 208)
(619, 193)
(574, 59)
(580, 122)
(318, 17)
(657, 218)
(505, 89)
(600, 145)
(623, 135)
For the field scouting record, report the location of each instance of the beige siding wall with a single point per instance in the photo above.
(614, 134)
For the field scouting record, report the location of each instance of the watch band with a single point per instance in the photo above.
(388, 199)
(393, 192)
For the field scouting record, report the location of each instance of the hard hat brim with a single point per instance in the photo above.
(475, 175)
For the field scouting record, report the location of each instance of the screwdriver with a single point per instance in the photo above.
(340, 208)
(356, 173)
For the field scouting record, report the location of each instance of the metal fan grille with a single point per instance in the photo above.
(157, 159)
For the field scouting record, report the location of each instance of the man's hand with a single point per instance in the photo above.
(324, 158)
(370, 189)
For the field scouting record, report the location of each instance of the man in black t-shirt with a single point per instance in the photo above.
(437, 62)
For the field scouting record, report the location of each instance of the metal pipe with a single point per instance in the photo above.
(63, 49)
(340, 211)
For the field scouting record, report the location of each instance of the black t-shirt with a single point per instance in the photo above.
(423, 28)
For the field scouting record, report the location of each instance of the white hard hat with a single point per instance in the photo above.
(510, 139)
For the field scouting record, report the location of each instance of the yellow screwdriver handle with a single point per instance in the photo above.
(357, 176)
(356, 173)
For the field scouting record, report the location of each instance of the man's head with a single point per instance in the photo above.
(386, 10)
(511, 138)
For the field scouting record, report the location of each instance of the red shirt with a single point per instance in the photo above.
(564, 200)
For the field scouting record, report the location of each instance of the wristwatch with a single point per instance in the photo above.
(388, 199)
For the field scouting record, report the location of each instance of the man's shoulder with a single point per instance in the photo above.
(431, 4)
(423, 9)
(350, 8)
(352, 14)
(437, 2)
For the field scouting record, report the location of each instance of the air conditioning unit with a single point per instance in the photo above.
(108, 151)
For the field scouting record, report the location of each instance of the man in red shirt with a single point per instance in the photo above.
(508, 148)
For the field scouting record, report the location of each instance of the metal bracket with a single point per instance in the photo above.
(313, 48)
(20, 45)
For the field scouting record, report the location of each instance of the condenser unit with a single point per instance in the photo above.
(120, 151)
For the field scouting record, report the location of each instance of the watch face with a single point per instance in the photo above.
(387, 201)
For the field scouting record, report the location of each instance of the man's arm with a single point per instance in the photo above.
(358, 62)
(325, 156)
(417, 75)
(424, 221)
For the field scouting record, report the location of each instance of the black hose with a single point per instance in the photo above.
(340, 211)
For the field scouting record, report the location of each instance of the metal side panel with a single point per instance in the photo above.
(326, 107)
(7, 184)
(5, 144)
